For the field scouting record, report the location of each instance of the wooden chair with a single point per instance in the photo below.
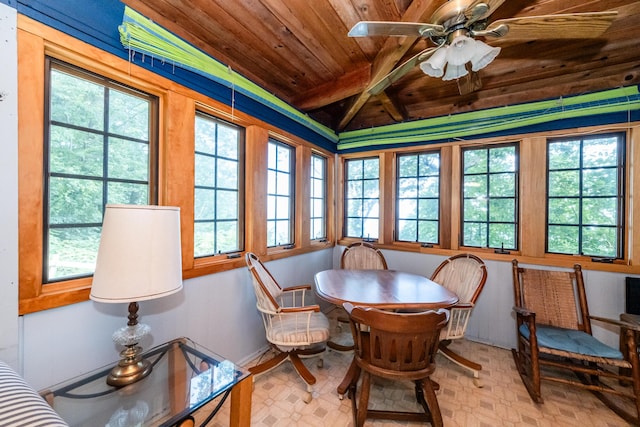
(357, 256)
(292, 328)
(398, 346)
(362, 256)
(555, 339)
(465, 275)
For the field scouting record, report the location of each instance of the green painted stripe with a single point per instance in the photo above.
(140, 34)
(494, 120)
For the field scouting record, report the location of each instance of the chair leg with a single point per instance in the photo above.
(363, 404)
(269, 364)
(304, 373)
(432, 402)
(474, 367)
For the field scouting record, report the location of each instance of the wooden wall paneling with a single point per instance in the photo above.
(446, 196)
(30, 162)
(303, 197)
(257, 139)
(177, 165)
(456, 196)
(533, 196)
(387, 198)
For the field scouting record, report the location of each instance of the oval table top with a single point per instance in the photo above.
(384, 289)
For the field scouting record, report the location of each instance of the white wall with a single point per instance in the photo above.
(9, 187)
(216, 311)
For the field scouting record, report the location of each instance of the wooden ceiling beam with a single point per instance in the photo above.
(396, 110)
(392, 52)
(345, 86)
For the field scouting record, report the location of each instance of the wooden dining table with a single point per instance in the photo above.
(383, 289)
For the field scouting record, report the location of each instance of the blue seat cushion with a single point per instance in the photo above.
(571, 341)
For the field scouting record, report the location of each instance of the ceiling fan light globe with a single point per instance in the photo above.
(483, 56)
(434, 66)
(454, 72)
(460, 51)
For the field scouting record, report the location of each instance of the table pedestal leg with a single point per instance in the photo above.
(352, 375)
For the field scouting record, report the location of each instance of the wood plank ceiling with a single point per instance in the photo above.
(299, 50)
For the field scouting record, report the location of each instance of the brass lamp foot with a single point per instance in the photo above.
(131, 368)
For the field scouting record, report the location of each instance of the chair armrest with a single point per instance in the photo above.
(620, 323)
(521, 311)
(304, 287)
(463, 306)
(302, 309)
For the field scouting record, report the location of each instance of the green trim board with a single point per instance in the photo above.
(494, 120)
(140, 34)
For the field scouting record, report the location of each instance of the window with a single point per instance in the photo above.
(585, 202)
(280, 194)
(418, 194)
(100, 145)
(217, 215)
(489, 196)
(318, 210)
(362, 201)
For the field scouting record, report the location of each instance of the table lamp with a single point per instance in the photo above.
(139, 258)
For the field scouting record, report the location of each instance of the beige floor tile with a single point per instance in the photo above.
(503, 401)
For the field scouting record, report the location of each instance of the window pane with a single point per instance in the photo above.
(76, 101)
(73, 251)
(128, 115)
(96, 152)
(318, 197)
(128, 159)
(586, 197)
(73, 151)
(418, 188)
(362, 194)
(217, 192)
(280, 202)
(490, 191)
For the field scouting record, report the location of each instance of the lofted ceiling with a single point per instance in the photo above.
(299, 50)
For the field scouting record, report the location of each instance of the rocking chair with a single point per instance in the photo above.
(555, 339)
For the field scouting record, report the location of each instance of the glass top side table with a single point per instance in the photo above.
(184, 378)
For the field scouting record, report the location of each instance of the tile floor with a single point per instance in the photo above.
(502, 401)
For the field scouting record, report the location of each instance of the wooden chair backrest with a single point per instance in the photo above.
(462, 274)
(557, 297)
(396, 345)
(362, 256)
(267, 290)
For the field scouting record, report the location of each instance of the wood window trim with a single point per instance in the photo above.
(177, 107)
(532, 194)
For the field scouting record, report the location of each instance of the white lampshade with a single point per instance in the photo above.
(139, 257)
(454, 72)
(483, 55)
(434, 66)
(461, 50)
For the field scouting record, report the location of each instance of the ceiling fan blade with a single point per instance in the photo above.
(400, 71)
(387, 28)
(481, 9)
(564, 26)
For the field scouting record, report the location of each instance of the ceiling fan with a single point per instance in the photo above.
(454, 28)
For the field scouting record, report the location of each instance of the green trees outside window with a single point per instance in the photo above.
(217, 208)
(280, 193)
(318, 210)
(99, 148)
(490, 196)
(362, 198)
(585, 203)
(418, 197)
